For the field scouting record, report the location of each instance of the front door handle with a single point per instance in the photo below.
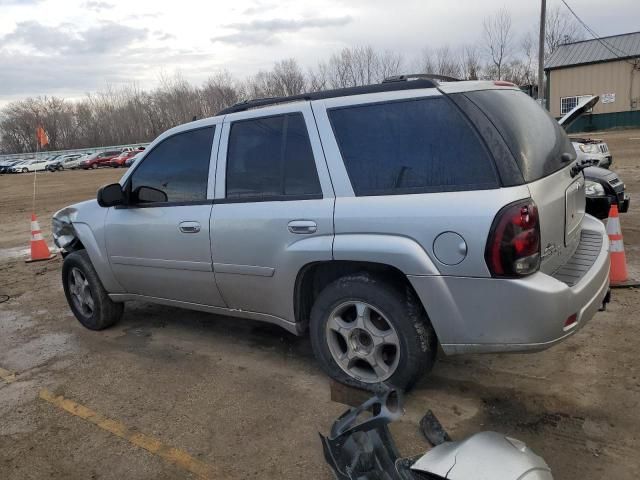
(303, 226)
(189, 227)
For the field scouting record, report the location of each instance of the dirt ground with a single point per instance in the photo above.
(247, 400)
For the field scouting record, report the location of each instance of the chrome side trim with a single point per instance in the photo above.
(244, 269)
(161, 263)
(291, 327)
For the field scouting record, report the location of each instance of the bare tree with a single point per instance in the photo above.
(560, 28)
(426, 62)
(447, 62)
(220, 90)
(471, 64)
(498, 39)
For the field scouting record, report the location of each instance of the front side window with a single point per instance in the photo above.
(271, 157)
(411, 146)
(177, 167)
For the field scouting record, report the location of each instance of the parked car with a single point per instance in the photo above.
(34, 165)
(100, 159)
(131, 160)
(382, 220)
(76, 162)
(120, 160)
(592, 150)
(603, 188)
(50, 160)
(65, 162)
(5, 167)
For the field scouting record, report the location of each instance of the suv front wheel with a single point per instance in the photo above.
(365, 331)
(86, 296)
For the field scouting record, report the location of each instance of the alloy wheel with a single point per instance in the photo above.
(80, 292)
(363, 342)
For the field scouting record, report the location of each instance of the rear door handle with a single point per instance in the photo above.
(303, 226)
(189, 227)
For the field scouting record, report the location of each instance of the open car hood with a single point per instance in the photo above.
(578, 111)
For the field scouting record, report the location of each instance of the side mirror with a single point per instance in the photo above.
(150, 195)
(111, 195)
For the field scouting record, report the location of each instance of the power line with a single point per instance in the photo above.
(597, 37)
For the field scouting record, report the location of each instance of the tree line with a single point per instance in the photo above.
(129, 114)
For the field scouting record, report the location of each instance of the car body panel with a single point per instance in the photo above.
(176, 266)
(247, 260)
(475, 315)
(484, 455)
(253, 248)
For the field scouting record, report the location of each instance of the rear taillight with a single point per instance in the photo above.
(513, 247)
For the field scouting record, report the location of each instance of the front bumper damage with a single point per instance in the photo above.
(360, 447)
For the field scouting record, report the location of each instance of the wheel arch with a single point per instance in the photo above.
(315, 276)
(97, 255)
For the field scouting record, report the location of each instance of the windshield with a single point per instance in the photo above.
(533, 136)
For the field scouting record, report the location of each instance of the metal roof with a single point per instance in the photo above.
(593, 51)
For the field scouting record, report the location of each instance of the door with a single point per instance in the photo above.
(273, 211)
(158, 244)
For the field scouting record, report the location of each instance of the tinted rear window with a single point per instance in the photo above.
(534, 137)
(411, 146)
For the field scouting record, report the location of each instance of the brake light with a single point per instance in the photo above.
(513, 247)
(503, 83)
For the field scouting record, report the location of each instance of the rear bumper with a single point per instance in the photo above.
(481, 315)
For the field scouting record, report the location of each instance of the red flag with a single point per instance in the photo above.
(42, 137)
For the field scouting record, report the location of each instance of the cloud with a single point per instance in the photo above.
(98, 6)
(18, 2)
(257, 8)
(40, 59)
(265, 32)
(286, 25)
(160, 35)
(66, 40)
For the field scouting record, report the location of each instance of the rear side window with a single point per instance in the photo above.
(178, 166)
(411, 146)
(271, 158)
(533, 136)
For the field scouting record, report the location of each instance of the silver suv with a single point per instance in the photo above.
(384, 220)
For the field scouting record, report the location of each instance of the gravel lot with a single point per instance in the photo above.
(246, 400)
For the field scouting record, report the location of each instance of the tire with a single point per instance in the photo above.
(101, 312)
(94, 166)
(25, 170)
(389, 305)
(60, 168)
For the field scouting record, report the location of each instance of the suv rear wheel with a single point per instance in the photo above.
(85, 294)
(365, 331)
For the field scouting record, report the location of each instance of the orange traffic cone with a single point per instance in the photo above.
(618, 274)
(39, 249)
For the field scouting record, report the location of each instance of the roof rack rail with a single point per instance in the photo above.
(385, 86)
(420, 76)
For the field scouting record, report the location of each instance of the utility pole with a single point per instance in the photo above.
(543, 21)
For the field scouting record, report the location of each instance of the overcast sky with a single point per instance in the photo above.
(71, 47)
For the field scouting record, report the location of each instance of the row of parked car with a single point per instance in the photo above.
(122, 157)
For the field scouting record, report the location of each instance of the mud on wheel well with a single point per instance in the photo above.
(315, 276)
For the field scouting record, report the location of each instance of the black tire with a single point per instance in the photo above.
(403, 311)
(94, 166)
(25, 170)
(105, 312)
